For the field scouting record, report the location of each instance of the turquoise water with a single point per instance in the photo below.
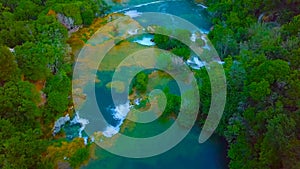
(188, 154)
(185, 9)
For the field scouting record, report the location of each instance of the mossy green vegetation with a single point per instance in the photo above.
(174, 45)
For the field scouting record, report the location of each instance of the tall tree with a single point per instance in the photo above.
(8, 65)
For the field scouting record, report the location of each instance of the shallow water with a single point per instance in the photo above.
(188, 154)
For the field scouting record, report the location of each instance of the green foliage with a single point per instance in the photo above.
(41, 55)
(266, 40)
(173, 105)
(13, 32)
(241, 154)
(279, 131)
(33, 60)
(83, 12)
(169, 43)
(225, 44)
(80, 156)
(87, 17)
(57, 102)
(57, 89)
(10, 4)
(292, 28)
(59, 82)
(272, 71)
(19, 102)
(185, 53)
(259, 91)
(259, 41)
(27, 10)
(8, 66)
(70, 10)
(20, 149)
(140, 82)
(205, 92)
(48, 30)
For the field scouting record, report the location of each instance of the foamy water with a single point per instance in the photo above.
(203, 6)
(83, 122)
(146, 41)
(137, 101)
(204, 38)
(119, 113)
(193, 38)
(137, 6)
(133, 13)
(195, 63)
(110, 131)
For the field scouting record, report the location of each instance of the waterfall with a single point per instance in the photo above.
(133, 13)
(59, 123)
(203, 37)
(146, 41)
(83, 123)
(260, 17)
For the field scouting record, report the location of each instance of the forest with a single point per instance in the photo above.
(259, 40)
(260, 43)
(36, 65)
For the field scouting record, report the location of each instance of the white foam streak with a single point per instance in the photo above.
(203, 6)
(110, 131)
(195, 63)
(146, 41)
(133, 13)
(119, 113)
(137, 6)
(81, 121)
(137, 101)
(193, 37)
(203, 37)
(85, 139)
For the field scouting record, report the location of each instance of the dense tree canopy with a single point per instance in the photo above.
(8, 66)
(259, 42)
(38, 54)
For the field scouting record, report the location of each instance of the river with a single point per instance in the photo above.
(188, 154)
